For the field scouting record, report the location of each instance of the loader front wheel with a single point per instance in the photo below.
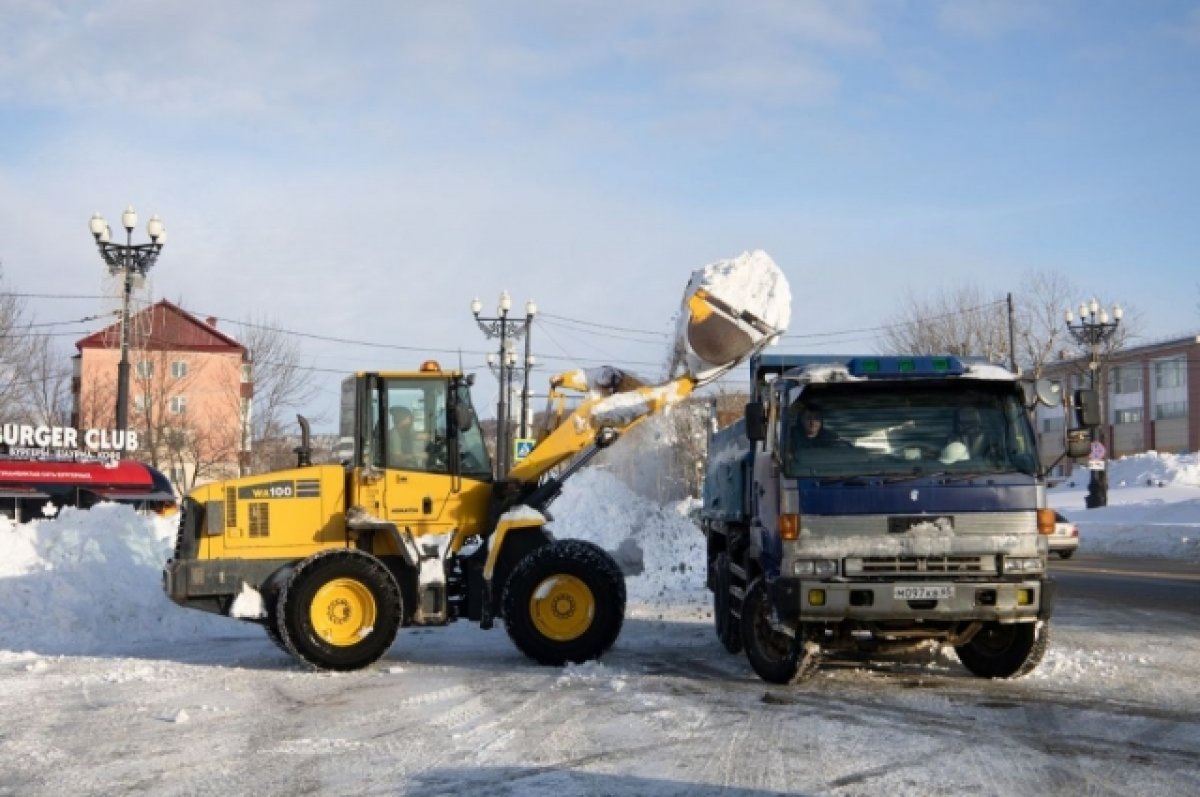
(340, 610)
(565, 601)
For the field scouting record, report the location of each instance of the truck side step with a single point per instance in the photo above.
(737, 570)
(739, 593)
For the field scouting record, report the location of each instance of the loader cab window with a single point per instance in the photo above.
(472, 450)
(413, 425)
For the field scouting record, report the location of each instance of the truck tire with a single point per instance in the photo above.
(340, 610)
(776, 657)
(729, 631)
(1005, 651)
(565, 601)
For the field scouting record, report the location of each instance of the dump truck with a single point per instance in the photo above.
(414, 529)
(872, 505)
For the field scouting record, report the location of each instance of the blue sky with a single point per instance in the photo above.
(364, 169)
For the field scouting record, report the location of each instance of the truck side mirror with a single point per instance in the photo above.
(1087, 408)
(756, 422)
(1079, 443)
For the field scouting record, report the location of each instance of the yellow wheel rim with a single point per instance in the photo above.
(342, 612)
(562, 608)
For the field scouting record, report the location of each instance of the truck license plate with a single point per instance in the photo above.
(924, 592)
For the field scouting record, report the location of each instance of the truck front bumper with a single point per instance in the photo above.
(812, 600)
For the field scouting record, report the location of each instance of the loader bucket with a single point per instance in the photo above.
(714, 334)
(731, 310)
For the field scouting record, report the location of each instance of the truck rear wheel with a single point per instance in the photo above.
(565, 601)
(776, 657)
(1005, 651)
(729, 632)
(340, 610)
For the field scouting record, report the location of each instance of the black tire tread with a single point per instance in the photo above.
(389, 602)
(584, 560)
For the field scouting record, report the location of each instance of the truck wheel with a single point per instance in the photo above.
(1005, 651)
(340, 610)
(1065, 554)
(776, 657)
(728, 630)
(565, 601)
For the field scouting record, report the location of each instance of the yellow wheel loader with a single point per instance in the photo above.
(414, 529)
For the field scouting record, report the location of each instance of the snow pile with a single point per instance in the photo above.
(1153, 507)
(597, 506)
(89, 581)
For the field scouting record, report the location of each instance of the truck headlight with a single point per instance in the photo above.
(815, 567)
(1022, 564)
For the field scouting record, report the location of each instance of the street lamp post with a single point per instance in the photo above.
(128, 260)
(1093, 330)
(503, 364)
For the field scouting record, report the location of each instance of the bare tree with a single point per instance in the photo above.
(282, 385)
(14, 352)
(48, 397)
(962, 321)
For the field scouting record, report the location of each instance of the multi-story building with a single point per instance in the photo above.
(1150, 398)
(190, 391)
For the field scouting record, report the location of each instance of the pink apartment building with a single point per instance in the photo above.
(190, 392)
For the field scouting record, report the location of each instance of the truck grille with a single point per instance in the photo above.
(918, 565)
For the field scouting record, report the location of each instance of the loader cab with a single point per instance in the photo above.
(418, 460)
(416, 421)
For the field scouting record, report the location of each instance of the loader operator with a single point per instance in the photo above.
(402, 439)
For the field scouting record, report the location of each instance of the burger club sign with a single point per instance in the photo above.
(60, 443)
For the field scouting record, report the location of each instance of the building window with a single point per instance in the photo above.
(1128, 416)
(1127, 379)
(178, 404)
(141, 402)
(179, 369)
(1054, 424)
(145, 369)
(1170, 373)
(1171, 409)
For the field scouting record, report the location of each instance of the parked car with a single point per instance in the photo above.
(1065, 539)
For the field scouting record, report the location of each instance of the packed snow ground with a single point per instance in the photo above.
(108, 688)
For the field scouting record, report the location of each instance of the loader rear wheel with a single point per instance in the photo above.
(340, 610)
(727, 626)
(565, 601)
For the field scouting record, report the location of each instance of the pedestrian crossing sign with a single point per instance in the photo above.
(521, 448)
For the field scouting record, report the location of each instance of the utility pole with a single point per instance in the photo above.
(503, 363)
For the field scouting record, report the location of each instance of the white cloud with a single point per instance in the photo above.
(986, 19)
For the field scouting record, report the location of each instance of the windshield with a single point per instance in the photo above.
(851, 429)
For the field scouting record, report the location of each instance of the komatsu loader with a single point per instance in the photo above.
(414, 529)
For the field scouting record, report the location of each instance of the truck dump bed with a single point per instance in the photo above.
(725, 477)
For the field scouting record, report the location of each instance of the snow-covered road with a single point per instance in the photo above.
(1113, 709)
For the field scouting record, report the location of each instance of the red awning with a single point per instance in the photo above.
(125, 474)
(114, 494)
